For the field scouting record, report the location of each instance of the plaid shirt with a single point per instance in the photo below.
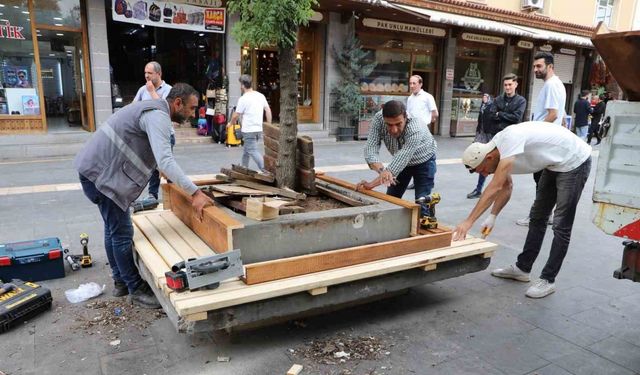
(414, 146)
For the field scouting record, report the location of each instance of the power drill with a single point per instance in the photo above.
(85, 260)
(429, 222)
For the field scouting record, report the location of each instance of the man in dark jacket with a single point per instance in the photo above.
(507, 109)
(582, 109)
(596, 116)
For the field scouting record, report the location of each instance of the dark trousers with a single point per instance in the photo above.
(594, 131)
(118, 236)
(423, 178)
(562, 189)
(154, 181)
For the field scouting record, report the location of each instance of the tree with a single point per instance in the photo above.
(275, 23)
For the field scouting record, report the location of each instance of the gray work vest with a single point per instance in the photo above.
(118, 158)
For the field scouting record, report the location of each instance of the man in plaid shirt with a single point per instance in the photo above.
(413, 148)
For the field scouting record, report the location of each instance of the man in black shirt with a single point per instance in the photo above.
(596, 116)
(582, 109)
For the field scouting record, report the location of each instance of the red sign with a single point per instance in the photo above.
(11, 32)
(214, 19)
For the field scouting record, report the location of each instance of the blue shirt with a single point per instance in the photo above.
(143, 93)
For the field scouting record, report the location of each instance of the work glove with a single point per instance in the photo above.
(487, 225)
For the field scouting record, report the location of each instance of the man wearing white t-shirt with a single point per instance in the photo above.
(421, 104)
(565, 161)
(249, 110)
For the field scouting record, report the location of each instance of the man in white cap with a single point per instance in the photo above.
(565, 162)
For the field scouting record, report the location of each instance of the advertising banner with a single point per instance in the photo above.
(170, 15)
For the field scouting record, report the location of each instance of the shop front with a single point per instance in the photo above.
(399, 51)
(187, 38)
(44, 69)
(478, 64)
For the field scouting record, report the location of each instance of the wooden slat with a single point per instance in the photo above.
(172, 237)
(341, 197)
(295, 370)
(272, 189)
(255, 174)
(165, 250)
(234, 189)
(282, 268)
(306, 178)
(271, 143)
(305, 161)
(187, 234)
(371, 193)
(271, 153)
(215, 227)
(305, 144)
(148, 254)
(220, 298)
(271, 130)
(317, 291)
(270, 163)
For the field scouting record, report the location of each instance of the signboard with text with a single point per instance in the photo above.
(404, 27)
(170, 15)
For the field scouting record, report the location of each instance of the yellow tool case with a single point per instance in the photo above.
(24, 302)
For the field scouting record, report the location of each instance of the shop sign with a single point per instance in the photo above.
(525, 44)
(568, 51)
(403, 27)
(170, 15)
(316, 17)
(203, 3)
(11, 32)
(449, 74)
(546, 48)
(482, 38)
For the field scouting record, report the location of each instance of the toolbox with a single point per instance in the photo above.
(22, 303)
(32, 260)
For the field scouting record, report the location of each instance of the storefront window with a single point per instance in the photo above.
(305, 77)
(476, 69)
(18, 83)
(58, 12)
(391, 74)
(520, 67)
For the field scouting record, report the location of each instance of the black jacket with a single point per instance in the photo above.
(507, 111)
(582, 109)
(598, 111)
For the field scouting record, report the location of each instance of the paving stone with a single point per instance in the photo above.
(620, 352)
(587, 363)
(550, 370)
(466, 365)
(544, 344)
(570, 301)
(136, 361)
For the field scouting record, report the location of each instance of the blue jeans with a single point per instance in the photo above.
(423, 178)
(481, 180)
(582, 131)
(154, 181)
(562, 189)
(118, 237)
(250, 149)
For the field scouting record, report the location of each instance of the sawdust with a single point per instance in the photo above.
(342, 349)
(320, 203)
(109, 316)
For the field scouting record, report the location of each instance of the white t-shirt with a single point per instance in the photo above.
(539, 145)
(552, 96)
(251, 106)
(420, 105)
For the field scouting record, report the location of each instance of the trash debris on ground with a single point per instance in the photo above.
(84, 292)
(115, 343)
(223, 359)
(342, 348)
(109, 316)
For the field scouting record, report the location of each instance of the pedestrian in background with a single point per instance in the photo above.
(596, 117)
(582, 110)
(421, 104)
(483, 135)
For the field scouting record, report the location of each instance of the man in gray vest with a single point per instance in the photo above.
(114, 168)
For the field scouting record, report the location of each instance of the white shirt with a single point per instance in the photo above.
(420, 105)
(552, 96)
(251, 106)
(539, 145)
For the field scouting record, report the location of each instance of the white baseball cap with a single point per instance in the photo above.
(475, 154)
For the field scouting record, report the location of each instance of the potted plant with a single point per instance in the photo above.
(353, 66)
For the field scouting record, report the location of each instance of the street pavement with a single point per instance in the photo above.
(475, 324)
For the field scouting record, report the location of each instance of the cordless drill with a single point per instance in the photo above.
(85, 260)
(429, 222)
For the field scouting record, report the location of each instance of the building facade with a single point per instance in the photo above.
(68, 66)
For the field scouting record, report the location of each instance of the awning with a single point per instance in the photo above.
(493, 26)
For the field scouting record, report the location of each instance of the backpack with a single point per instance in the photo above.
(120, 7)
(140, 10)
(155, 13)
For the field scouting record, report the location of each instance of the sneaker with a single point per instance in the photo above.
(144, 297)
(148, 203)
(523, 222)
(511, 272)
(541, 288)
(474, 194)
(119, 289)
(411, 186)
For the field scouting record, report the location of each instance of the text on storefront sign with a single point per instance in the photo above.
(525, 44)
(403, 27)
(11, 32)
(482, 38)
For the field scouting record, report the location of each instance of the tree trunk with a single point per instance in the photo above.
(286, 164)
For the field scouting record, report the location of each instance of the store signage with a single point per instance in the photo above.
(449, 74)
(203, 3)
(316, 17)
(170, 15)
(525, 44)
(546, 48)
(482, 38)
(568, 51)
(404, 27)
(11, 32)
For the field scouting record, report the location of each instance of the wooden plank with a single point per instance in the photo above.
(235, 189)
(371, 193)
(305, 264)
(305, 161)
(305, 144)
(154, 262)
(172, 237)
(270, 163)
(187, 234)
(255, 174)
(295, 370)
(164, 249)
(220, 298)
(271, 153)
(430, 267)
(166, 196)
(271, 130)
(306, 179)
(286, 210)
(241, 176)
(196, 317)
(272, 144)
(341, 197)
(272, 189)
(214, 228)
(220, 179)
(488, 254)
(317, 291)
(238, 205)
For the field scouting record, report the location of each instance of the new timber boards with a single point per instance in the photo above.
(282, 268)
